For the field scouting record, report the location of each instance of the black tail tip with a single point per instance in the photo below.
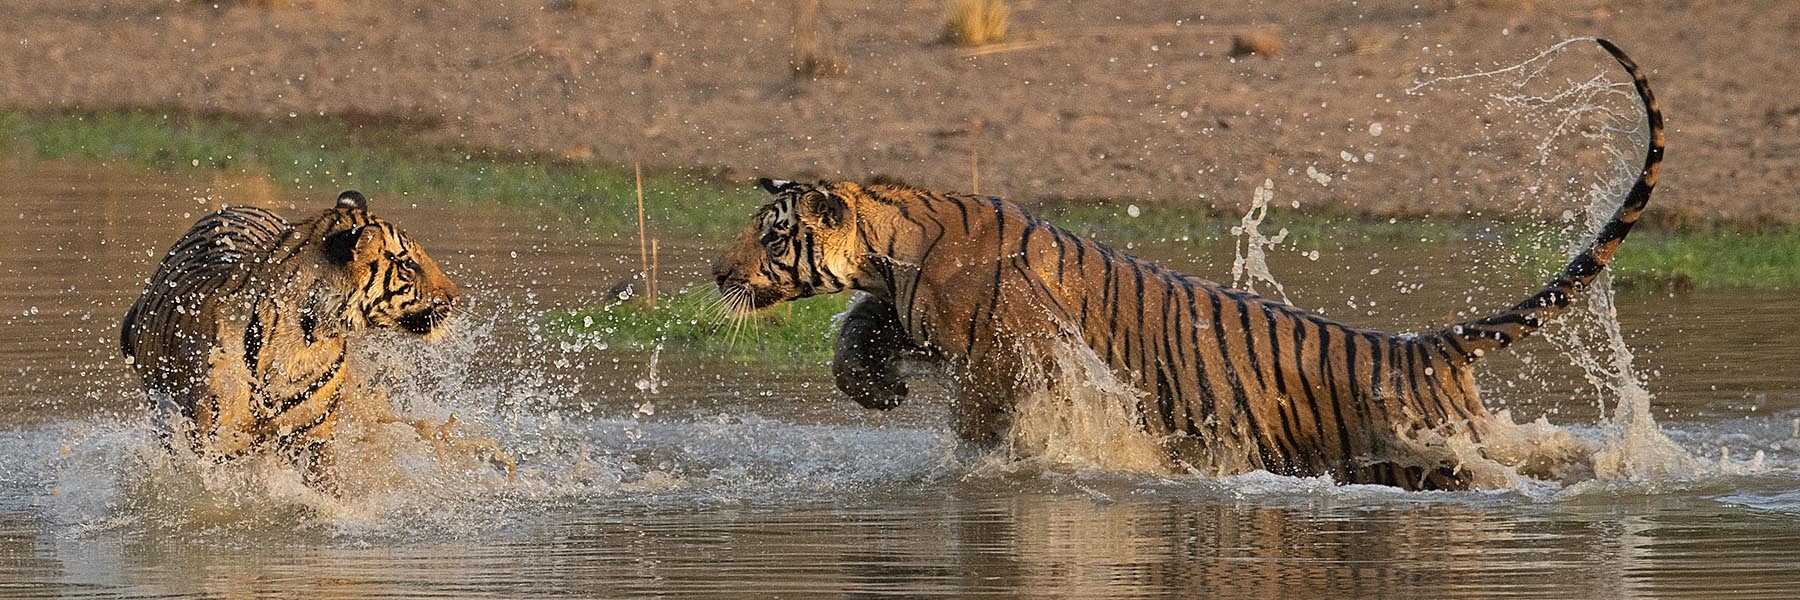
(352, 199)
(1616, 53)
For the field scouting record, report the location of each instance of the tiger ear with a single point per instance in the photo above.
(828, 207)
(352, 199)
(773, 186)
(340, 246)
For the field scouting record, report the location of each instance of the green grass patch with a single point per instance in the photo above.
(390, 157)
(792, 331)
(1765, 257)
(1156, 222)
(382, 159)
(1768, 259)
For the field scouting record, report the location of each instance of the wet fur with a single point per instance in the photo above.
(244, 329)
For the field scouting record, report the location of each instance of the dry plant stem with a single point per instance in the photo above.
(643, 240)
(1006, 47)
(975, 157)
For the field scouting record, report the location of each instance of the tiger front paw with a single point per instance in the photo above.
(451, 441)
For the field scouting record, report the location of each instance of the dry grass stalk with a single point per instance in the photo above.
(650, 290)
(262, 4)
(1006, 47)
(643, 239)
(975, 22)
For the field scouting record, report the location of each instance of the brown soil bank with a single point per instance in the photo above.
(1129, 99)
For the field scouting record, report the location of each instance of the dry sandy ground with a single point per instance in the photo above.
(1117, 99)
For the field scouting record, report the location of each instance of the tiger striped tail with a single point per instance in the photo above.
(1471, 339)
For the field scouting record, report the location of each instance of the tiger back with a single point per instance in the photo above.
(166, 329)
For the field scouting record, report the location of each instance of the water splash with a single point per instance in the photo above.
(1605, 117)
(1634, 445)
(1250, 263)
(116, 474)
(1082, 420)
(1629, 445)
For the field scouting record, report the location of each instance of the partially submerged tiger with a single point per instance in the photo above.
(245, 331)
(1224, 378)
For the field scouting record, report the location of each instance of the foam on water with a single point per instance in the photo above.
(112, 475)
(115, 476)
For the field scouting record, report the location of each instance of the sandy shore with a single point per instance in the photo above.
(1086, 99)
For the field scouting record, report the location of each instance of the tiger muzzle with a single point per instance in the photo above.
(425, 321)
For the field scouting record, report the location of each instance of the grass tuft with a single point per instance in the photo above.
(797, 330)
(1768, 259)
(975, 22)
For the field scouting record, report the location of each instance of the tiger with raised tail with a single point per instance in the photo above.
(244, 332)
(1226, 380)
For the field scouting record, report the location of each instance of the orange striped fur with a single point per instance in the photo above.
(1227, 378)
(243, 330)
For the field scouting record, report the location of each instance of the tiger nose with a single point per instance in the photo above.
(729, 280)
(725, 274)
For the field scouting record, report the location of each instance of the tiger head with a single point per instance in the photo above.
(800, 244)
(381, 278)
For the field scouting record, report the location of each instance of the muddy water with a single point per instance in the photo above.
(735, 479)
